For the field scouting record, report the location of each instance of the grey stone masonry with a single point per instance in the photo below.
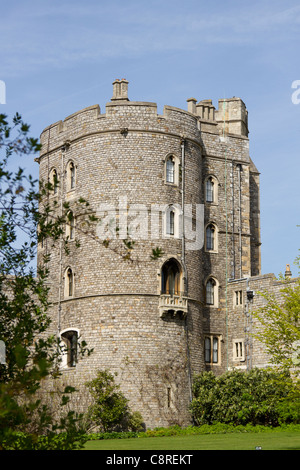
(152, 321)
(242, 324)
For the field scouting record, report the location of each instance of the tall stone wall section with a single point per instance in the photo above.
(120, 155)
(115, 302)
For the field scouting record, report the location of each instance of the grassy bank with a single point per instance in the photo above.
(217, 437)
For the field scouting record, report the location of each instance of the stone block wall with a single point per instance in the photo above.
(120, 159)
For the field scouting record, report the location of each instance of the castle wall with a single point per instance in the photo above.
(121, 157)
(117, 304)
(242, 325)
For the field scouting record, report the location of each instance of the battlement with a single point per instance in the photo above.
(231, 117)
(121, 113)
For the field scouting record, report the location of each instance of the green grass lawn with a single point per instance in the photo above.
(283, 440)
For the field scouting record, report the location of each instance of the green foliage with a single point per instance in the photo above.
(156, 253)
(280, 330)
(26, 422)
(109, 409)
(289, 411)
(100, 436)
(218, 428)
(135, 422)
(240, 398)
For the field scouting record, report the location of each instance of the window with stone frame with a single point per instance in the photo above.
(211, 238)
(172, 168)
(172, 221)
(54, 181)
(212, 349)
(211, 292)
(70, 346)
(171, 277)
(211, 190)
(238, 350)
(69, 283)
(71, 176)
(70, 226)
(238, 297)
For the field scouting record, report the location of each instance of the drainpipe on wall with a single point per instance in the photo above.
(233, 221)
(61, 186)
(239, 167)
(183, 262)
(182, 197)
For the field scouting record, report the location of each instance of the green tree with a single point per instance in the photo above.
(279, 328)
(109, 409)
(31, 354)
(240, 398)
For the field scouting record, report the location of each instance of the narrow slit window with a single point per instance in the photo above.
(210, 292)
(170, 171)
(210, 190)
(69, 283)
(210, 238)
(72, 175)
(170, 222)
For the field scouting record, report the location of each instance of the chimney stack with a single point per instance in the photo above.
(288, 272)
(120, 90)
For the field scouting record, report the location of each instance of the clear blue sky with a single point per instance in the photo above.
(57, 57)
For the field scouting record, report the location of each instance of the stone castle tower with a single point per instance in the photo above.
(182, 181)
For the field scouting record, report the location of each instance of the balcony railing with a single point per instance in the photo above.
(174, 304)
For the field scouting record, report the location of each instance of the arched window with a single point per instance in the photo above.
(69, 283)
(211, 190)
(171, 276)
(70, 346)
(54, 181)
(173, 221)
(170, 222)
(211, 292)
(211, 237)
(70, 228)
(172, 169)
(71, 176)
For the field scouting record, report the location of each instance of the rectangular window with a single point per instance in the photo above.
(238, 350)
(238, 297)
(209, 190)
(215, 350)
(209, 292)
(170, 222)
(207, 349)
(170, 171)
(211, 349)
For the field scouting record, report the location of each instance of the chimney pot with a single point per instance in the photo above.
(288, 272)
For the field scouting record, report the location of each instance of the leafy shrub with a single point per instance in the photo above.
(135, 422)
(239, 398)
(109, 410)
(289, 411)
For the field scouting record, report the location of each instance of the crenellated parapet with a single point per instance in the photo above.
(231, 117)
(121, 115)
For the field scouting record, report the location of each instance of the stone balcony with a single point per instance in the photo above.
(173, 304)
